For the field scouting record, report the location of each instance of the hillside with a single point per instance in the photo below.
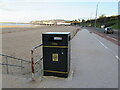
(111, 21)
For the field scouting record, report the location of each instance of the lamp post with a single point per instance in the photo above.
(96, 14)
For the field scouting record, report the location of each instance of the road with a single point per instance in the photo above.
(94, 64)
(112, 37)
(115, 35)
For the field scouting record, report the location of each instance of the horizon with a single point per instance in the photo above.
(54, 19)
(51, 19)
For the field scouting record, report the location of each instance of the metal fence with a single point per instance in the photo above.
(15, 66)
(26, 68)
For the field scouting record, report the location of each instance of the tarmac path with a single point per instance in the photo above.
(94, 64)
(95, 60)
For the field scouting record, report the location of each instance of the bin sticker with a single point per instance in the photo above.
(54, 57)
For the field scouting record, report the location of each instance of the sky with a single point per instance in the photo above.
(31, 10)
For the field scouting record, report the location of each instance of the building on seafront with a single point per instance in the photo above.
(51, 22)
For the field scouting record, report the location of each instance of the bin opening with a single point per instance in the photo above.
(58, 38)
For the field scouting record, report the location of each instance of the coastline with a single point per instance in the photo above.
(17, 26)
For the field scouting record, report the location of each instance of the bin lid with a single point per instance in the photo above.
(56, 33)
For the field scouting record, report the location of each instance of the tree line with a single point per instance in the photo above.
(110, 21)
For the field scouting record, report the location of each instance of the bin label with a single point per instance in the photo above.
(54, 57)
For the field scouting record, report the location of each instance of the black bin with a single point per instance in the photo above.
(56, 54)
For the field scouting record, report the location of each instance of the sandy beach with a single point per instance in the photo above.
(18, 41)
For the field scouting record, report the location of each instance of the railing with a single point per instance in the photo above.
(37, 64)
(15, 66)
(21, 67)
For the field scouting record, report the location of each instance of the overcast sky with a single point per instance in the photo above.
(28, 10)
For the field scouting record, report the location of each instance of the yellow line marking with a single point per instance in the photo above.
(55, 71)
(57, 46)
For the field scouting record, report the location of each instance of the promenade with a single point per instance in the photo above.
(94, 64)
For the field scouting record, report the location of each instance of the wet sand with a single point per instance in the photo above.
(18, 26)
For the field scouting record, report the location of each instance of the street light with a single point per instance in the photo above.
(96, 14)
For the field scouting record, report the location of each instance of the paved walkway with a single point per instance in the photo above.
(95, 62)
(94, 65)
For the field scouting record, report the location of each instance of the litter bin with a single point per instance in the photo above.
(56, 54)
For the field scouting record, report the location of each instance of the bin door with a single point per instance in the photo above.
(55, 59)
